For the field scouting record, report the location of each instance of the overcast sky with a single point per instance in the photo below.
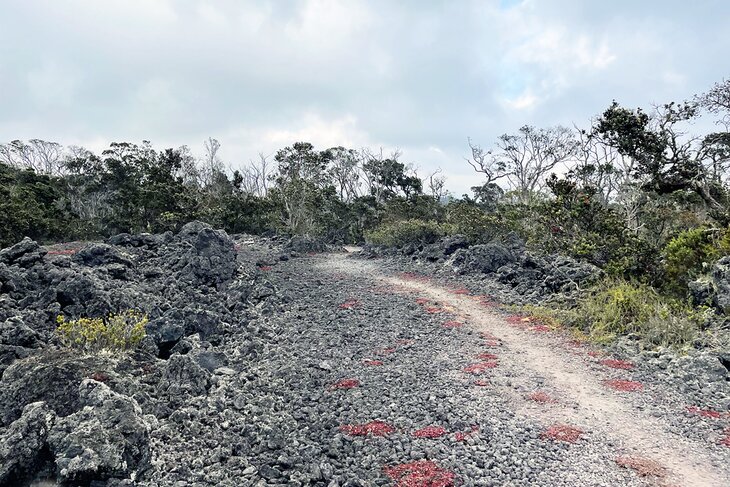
(417, 75)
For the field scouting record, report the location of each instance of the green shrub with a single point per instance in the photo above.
(115, 332)
(402, 233)
(622, 308)
(687, 254)
(474, 223)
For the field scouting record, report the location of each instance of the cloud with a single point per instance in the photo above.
(412, 75)
(52, 85)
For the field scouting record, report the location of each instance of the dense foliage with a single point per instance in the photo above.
(634, 194)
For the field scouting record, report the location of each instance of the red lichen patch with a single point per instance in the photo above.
(265, 267)
(726, 440)
(463, 435)
(423, 473)
(387, 351)
(422, 301)
(486, 356)
(480, 367)
(482, 383)
(562, 432)
(346, 384)
(595, 353)
(644, 467)
(373, 363)
(541, 328)
(350, 303)
(491, 340)
(705, 413)
(625, 385)
(412, 276)
(452, 324)
(99, 377)
(461, 291)
(484, 301)
(374, 428)
(430, 432)
(434, 309)
(541, 397)
(617, 364)
(518, 320)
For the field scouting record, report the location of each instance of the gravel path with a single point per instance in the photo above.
(363, 376)
(544, 378)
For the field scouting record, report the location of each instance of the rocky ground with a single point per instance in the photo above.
(270, 363)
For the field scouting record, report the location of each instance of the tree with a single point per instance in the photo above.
(345, 172)
(255, 176)
(387, 178)
(487, 196)
(437, 185)
(532, 154)
(39, 155)
(667, 159)
(29, 207)
(483, 161)
(717, 100)
(302, 183)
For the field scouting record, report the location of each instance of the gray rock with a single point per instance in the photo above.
(25, 247)
(182, 373)
(99, 254)
(452, 243)
(210, 360)
(485, 258)
(107, 438)
(211, 257)
(22, 443)
(14, 332)
(51, 377)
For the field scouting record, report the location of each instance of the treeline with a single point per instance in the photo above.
(50, 192)
(634, 192)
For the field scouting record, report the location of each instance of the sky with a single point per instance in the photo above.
(420, 76)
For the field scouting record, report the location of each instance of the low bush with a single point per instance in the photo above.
(474, 223)
(116, 332)
(407, 232)
(622, 308)
(690, 252)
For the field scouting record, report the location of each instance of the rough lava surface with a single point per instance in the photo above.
(271, 362)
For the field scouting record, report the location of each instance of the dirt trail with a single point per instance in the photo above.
(585, 400)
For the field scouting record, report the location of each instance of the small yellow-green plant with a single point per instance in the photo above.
(622, 308)
(114, 332)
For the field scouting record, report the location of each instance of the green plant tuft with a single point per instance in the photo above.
(116, 332)
(622, 308)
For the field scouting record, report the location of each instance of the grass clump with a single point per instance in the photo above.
(115, 332)
(624, 308)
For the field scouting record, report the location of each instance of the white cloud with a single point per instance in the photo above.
(523, 102)
(261, 74)
(52, 85)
